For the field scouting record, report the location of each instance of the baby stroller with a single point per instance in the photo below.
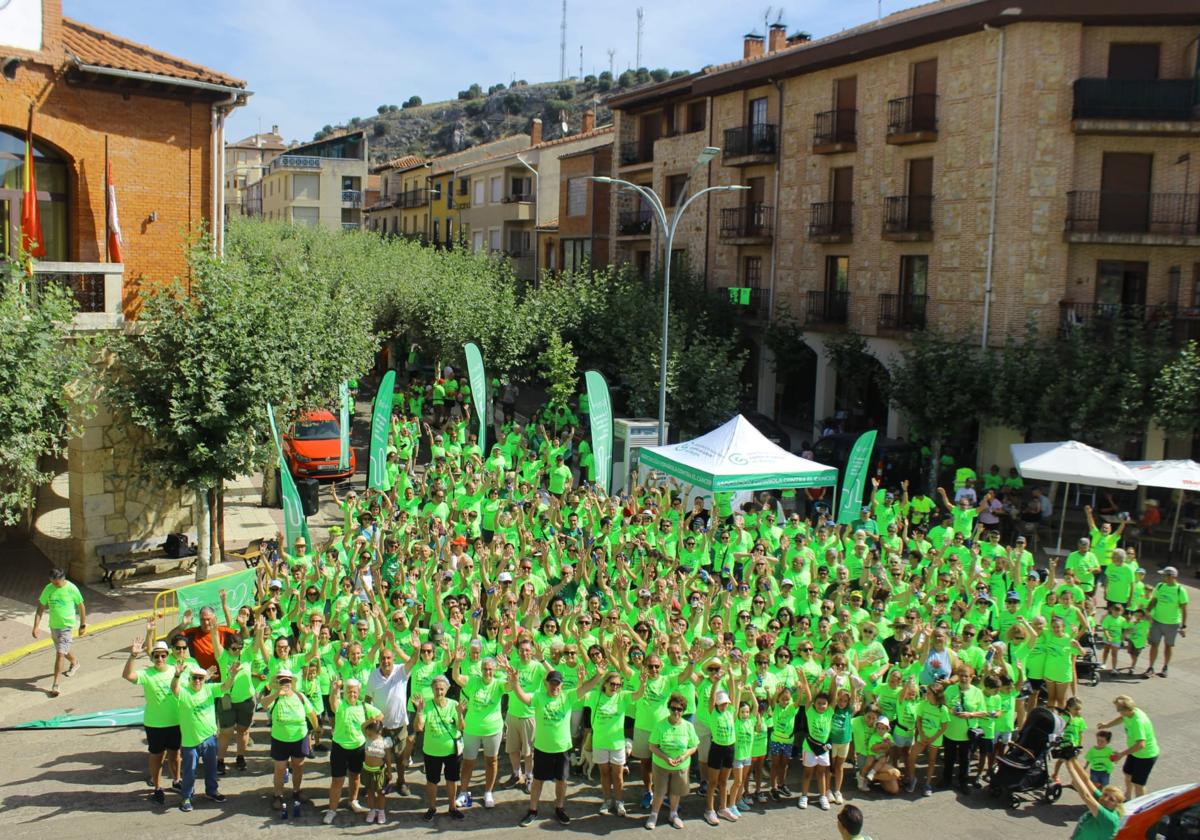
(1023, 769)
(1087, 667)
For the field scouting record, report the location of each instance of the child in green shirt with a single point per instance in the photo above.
(1100, 759)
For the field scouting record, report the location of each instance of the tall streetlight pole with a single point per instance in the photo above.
(668, 226)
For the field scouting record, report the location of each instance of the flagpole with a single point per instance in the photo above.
(107, 256)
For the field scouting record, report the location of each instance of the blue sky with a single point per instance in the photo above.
(311, 63)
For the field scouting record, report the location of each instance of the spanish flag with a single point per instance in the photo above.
(31, 220)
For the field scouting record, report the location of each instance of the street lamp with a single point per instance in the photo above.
(668, 229)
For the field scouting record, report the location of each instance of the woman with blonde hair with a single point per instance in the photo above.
(1104, 807)
(1141, 744)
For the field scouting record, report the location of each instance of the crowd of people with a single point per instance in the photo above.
(715, 654)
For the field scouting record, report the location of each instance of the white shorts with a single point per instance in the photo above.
(812, 760)
(616, 757)
(472, 744)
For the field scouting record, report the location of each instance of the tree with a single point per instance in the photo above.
(675, 74)
(496, 88)
(627, 79)
(354, 121)
(558, 365)
(379, 128)
(45, 388)
(604, 85)
(473, 108)
(1020, 372)
(589, 81)
(382, 109)
(413, 101)
(473, 92)
(566, 91)
(660, 74)
(513, 102)
(1176, 392)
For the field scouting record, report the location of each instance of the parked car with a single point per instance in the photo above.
(1170, 814)
(892, 460)
(771, 430)
(312, 447)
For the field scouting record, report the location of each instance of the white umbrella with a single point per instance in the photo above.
(1072, 462)
(1174, 475)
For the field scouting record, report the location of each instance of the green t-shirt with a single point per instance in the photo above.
(652, 706)
(783, 723)
(197, 715)
(1100, 759)
(60, 602)
(1168, 600)
(820, 724)
(674, 740)
(723, 727)
(552, 722)
(441, 728)
(1139, 728)
(483, 706)
(529, 677)
(289, 717)
(1103, 825)
(348, 723)
(1118, 582)
(161, 707)
(608, 719)
(243, 681)
(932, 719)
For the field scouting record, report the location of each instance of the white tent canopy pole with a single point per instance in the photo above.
(1182, 475)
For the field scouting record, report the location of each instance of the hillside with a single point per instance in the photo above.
(480, 115)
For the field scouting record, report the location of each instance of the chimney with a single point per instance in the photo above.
(274, 129)
(535, 133)
(799, 38)
(776, 37)
(589, 121)
(753, 46)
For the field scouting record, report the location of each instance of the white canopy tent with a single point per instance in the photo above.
(1071, 462)
(735, 456)
(1174, 475)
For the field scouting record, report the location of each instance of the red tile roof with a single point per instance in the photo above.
(95, 46)
(571, 138)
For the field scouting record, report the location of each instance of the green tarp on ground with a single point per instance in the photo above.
(91, 720)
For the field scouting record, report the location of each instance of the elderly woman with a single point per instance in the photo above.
(672, 743)
(1141, 744)
(349, 740)
(483, 725)
(291, 714)
(442, 722)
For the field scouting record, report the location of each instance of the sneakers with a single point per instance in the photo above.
(240, 763)
(823, 803)
(911, 784)
(710, 817)
(296, 808)
(489, 801)
(620, 809)
(330, 816)
(762, 797)
(776, 794)
(186, 806)
(287, 775)
(528, 819)
(402, 789)
(456, 814)
(429, 814)
(863, 784)
(727, 814)
(651, 821)
(703, 788)
(836, 796)
(381, 817)
(158, 796)
(221, 768)
(73, 670)
(1147, 674)
(802, 802)
(358, 808)
(784, 790)
(561, 816)
(928, 791)
(676, 822)
(176, 785)
(647, 799)
(216, 797)
(1162, 673)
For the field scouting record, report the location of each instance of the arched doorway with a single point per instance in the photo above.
(53, 180)
(859, 399)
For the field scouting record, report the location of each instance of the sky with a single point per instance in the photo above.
(310, 63)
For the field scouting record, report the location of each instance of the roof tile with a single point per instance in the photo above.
(96, 46)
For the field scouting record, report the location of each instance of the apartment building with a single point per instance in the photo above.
(447, 192)
(584, 205)
(964, 166)
(246, 162)
(318, 183)
(513, 199)
(401, 209)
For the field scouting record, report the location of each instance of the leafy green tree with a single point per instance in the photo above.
(660, 74)
(473, 108)
(379, 128)
(1176, 392)
(45, 385)
(627, 79)
(559, 365)
(413, 101)
(473, 92)
(513, 103)
(566, 91)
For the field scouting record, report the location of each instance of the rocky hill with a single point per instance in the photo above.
(481, 115)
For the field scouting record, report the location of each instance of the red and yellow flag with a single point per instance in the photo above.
(31, 220)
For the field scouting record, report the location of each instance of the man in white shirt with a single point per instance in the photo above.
(387, 689)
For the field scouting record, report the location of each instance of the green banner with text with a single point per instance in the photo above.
(854, 481)
(239, 591)
(344, 424)
(600, 405)
(478, 379)
(294, 524)
(381, 424)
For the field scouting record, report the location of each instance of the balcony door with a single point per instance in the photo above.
(924, 92)
(920, 194)
(845, 105)
(756, 196)
(1120, 283)
(1125, 192)
(758, 111)
(841, 193)
(1133, 62)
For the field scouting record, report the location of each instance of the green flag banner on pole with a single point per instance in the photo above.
(602, 426)
(294, 523)
(90, 720)
(344, 421)
(239, 591)
(854, 482)
(478, 379)
(381, 424)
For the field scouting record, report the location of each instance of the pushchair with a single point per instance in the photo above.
(1023, 773)
(1087, 666)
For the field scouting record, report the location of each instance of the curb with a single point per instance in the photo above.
(41, 644)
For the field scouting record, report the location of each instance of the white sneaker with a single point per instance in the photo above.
(489, 801)
(358, 808)
(651, 821)
(802, 802)
(863, 784)
(620, 809)
(329, 817)
(823, 802)
(710, 817)
(381, 817)
(836, 796)
(727, 814)
(460, 801)
(371, 816)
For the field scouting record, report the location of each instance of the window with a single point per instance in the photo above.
(752, 272)
(435, 231)
(462, 185)
(518, 243)
(1121, 283)
(696, 116)
(435, 191)
(675, 187)
(669, 121)
(51, 172)
(1183, 824)
(837, 274)
(758, 111)
(494, 239)
(477, 199)
(309, 216)
(577, 189)
(449, 232)
(914, 276)
(575, 253)
(477, 241)
(497, 189)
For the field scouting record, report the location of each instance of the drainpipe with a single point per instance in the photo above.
(775, 227)
(219, 111)
(991, 244)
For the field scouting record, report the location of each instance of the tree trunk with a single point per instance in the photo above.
(220, 538)
(214, 552)
(935, 464)
(203, 540)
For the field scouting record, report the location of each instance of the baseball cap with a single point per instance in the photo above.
(276, 583)
(283, 674)
(198, 671)
(161, 646)
(787, 582)
(722, 697)
(1141, 571)
(554, 677)
(1013, 597)
(883, 720)
(1169, 570)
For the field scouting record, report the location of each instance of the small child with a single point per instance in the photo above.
(1113, 628)
(375, 754)
(1100, 759)
(1139, 634)
(1073, 730)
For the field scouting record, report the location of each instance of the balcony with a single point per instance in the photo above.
(350, 225)
(296, 162)
(835, 132)
(831, 221)
(749, 302)
(1106, 318)
(1095, 216)
(516, 198)
(912, 119)
(908, 218)
(828, 309)
(97, 288)
(1135, 106)
(749, 225)
(637, 152)
(351, 198)
(634, 222)
(902, 313)
(750, 144)
(408, 199)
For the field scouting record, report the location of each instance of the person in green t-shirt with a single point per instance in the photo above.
(196, 705)
(292, 715)
(551, 742)
(161, 716)
(442, 722)
(67, 611)
(1141, 744)
(483, 725)
(672, 743)
(1104, 807)
(347, 754)
(931, 722)
(1099, 759)
(1168, 617)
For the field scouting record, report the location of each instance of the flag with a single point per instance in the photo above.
(294, 523)
(31, 219)
(478, 379)
(854, 482)
(600, 412)
(381, 425)
(344, 421)
(114, 224)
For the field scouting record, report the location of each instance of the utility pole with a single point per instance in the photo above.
(611, 53)
(562, 44)
(581, 62)
(639, 38)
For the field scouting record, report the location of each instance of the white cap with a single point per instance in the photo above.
(284, 672)
(276, 583)
(883, 719)
(722, 697)
(787, 582)
(504, 577)
(197, 670)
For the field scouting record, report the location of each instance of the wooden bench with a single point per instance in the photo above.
(250, 556)
(132, 555)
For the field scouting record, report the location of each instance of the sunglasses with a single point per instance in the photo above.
(679, 709)
(181, 647)
(162, 654)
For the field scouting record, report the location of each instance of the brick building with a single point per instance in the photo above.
(584, 207)
(885, 198)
